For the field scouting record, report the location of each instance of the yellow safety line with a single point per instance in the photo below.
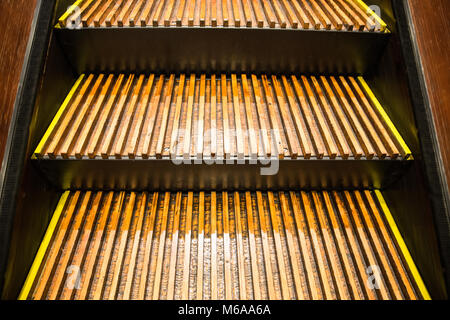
(55, 120)
(385, 117)
(404, 249)
(69, 11)
(364, 6)
(43, 248)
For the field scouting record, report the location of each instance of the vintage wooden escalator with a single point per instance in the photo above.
(160, 145)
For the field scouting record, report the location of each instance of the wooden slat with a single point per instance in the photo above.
(122, 237)
(148, 239)
(251, 128)
(240, 247)
(237, 118)
(200, 248)
(70, 244)
(108, 244)
(176, 120)
(375, 120)
(165, 117)
(316, 138)
(364, 241)
(226, 246)
(158, 13)
(324, 19)
(354, 246)
(188, 128)
(124, 13)
(265, 244)
(323, 128)
(344, 252)
(258, 13)
(126, 120)
(152, 116)
(40, 149)
(64, 125)
(319, 248)
(83, 243)
(270, 15)
(134, 15)
(299, 127)
(362, 136)
(201, 117)
(389, 242)
(225, 13)
(214, 291)
(252, 243)
(290, 14)
(112, 15)
(134, 251)
(115, 119)
(378, 246)
(330, 12)
(276, 130)
(247, 13)
(187, 247)
(285, 211)
(279, 14)
(365, 121)
(306, 248)
(266, 147)
(88, 9)
(140, 116)
(79, 120)
(91, 121)
(162, 242)
(330, 246)
(301, 14)
(213, 116)
(225, 113)
(174, 248)
(310, 14)
(350, 136)
(285, 116)
(338, 136)
(236, 14)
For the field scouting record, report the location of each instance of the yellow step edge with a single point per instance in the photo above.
(42, 143)
(404, 249)
(386, 118)
(43, 248)
(365, 7)
(61, 21)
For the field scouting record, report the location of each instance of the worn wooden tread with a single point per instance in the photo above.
(132, 116)
(224, 245)
(349, 15)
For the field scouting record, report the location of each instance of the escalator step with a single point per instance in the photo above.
(350, 15)
(157, 116)
(219, 245)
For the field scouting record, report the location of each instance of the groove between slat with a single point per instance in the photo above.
(237, 245)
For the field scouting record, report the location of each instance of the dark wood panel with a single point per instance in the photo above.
(432, 22)
(15, 22)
